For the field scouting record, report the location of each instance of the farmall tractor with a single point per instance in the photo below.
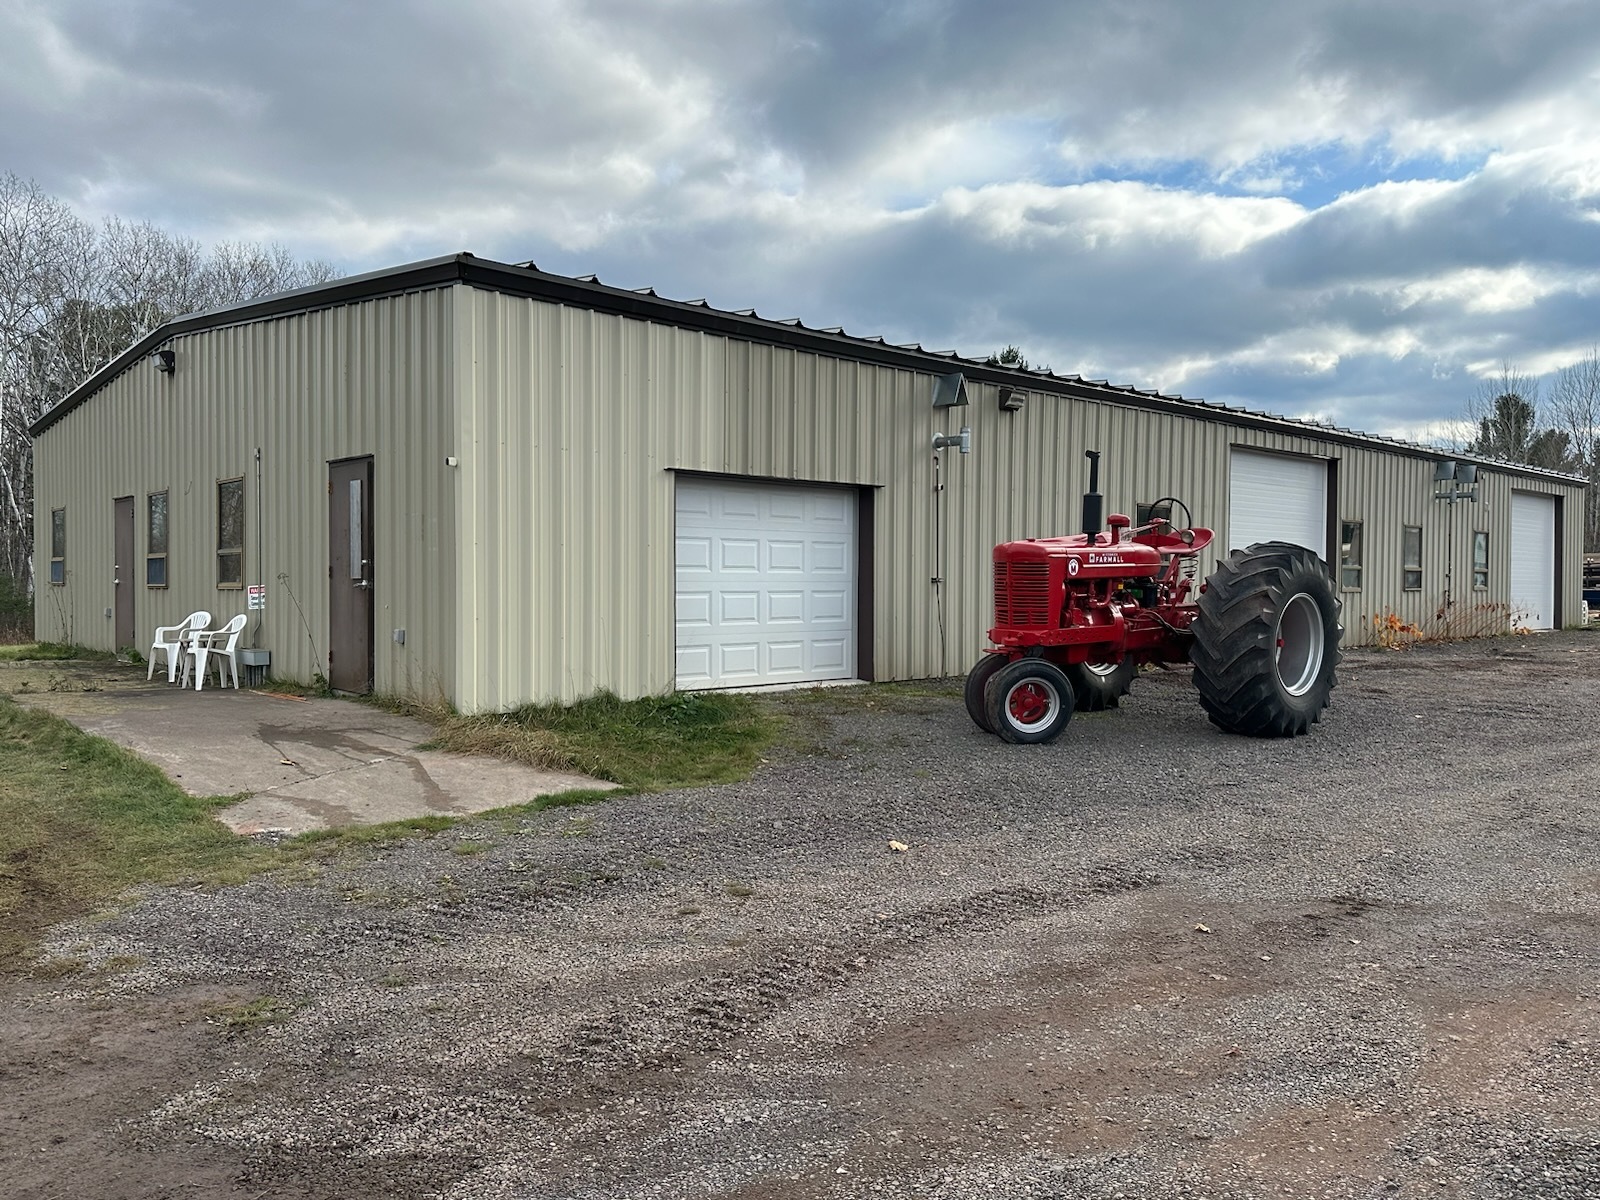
(1075, 617)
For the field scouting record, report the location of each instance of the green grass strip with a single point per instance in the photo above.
(81, 819)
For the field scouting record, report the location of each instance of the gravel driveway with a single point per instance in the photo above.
(1148, 960)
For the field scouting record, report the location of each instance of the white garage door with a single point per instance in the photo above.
(1277, 498)
(1533, 560)
(766, 583)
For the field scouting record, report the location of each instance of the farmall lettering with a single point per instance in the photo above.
(1075, 617)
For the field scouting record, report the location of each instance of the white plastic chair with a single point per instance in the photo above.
(169, 642)
(220, 642)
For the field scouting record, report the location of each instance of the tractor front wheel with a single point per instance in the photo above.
(977, 682)
(1029, 700)
(1266, 641)
(1099, 686)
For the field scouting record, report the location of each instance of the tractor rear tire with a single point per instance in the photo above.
(1099, 686)
(977, 680)
(1029, 700)
(1266, 641)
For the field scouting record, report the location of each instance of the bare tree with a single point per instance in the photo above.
(73, 297)
(1575, 410)
(239, 271)
(39, 240)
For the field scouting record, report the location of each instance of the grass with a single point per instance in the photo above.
(81, 819)
(251, 1014)
(680, 740)
(53, 652)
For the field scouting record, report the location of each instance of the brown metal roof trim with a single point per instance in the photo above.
(588, 292)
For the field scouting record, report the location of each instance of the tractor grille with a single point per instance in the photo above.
(1021, 595)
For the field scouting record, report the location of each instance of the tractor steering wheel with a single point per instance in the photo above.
(1187, 515)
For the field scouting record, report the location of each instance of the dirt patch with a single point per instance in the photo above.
(72, 1070)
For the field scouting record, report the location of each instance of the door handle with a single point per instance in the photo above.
(364, 584)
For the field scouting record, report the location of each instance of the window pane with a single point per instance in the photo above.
(58, 571)
(1350, 553)
(230, 515)
(157, 531)
(1480, 559)
(230, 568)
(58, 534)
(155, 572)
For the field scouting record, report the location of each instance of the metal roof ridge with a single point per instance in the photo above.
(468, 268)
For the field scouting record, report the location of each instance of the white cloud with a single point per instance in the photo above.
(1067, 177)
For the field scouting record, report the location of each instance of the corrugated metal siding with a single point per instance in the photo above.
(372, 378)
(579, 420)
(569, 426)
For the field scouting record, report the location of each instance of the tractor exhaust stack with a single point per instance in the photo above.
(1094, 504)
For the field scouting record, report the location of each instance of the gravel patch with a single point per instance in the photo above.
(1147, 960)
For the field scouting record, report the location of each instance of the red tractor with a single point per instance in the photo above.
(1074, 617)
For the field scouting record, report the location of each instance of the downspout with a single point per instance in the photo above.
(261, 562)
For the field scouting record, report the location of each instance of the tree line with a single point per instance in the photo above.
(1552, 423)
(73, 295)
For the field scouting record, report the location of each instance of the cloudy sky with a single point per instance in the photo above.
(1346, 209)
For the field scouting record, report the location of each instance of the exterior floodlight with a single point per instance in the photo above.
(164, 360)
(949, 390)
(1455, 481)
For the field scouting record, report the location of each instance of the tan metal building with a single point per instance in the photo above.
(483, 482)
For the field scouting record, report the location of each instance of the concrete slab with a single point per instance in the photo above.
(296, 764)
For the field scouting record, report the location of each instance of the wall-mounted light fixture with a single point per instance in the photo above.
(949, 390)
(165, 360)
(1453, 481)
(962, 440)
(1012, 399)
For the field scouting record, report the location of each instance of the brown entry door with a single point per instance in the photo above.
(122, 572)
(350, 575)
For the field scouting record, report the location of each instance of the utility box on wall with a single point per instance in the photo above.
(257, 664)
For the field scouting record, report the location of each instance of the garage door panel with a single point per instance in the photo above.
(834, 509)
(694, 554)
(786, 607)
(766, 587)
(695, 504)
(740, 608)
(1277, 497)
(831, 558)
(829, 656)
(737, 506)
(786, 556)
(738, 554)
(829, 607)
(786, 509)
(1533, 560)
(694, 610)
(739, 660)
(786, 658)
(694, 665)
